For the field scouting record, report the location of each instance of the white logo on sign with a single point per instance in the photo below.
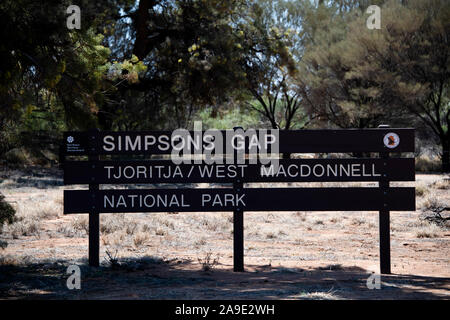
(70, 139)
(391, 140)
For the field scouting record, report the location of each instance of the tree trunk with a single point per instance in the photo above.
(141, 44)
(446, 154)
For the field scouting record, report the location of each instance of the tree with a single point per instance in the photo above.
(412, 60)
(132, 65)
(272, 70)
(359, 77)
(327, 87)
(194, 52)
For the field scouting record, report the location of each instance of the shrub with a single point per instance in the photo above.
(7, 212)
(441, 184)
(208, 263)
(426, 164)
(25, 227)
(81, 224)
(434, 203)
(428, 231)
(421, 191)
(140, 239)
(17, 157)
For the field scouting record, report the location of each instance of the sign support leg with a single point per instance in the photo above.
(94, 216)
(238, 241)
(238, 222)
(385, 246)
(238, 235)
(384, 224)
(94, 238)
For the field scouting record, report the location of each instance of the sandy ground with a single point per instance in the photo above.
(288, 255)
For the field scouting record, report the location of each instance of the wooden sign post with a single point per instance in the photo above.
(236, 198)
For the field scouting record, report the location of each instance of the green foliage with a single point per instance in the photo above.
(159, 64)
(357, 77)
(228, 118)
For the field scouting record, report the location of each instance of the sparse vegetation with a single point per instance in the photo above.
(335, 220)
(160, 232)
(81, 224)
(112, 259)
(301, 215)
(434, 204)
(358, 221)
(443, 184)
(112, 223)
(199, 243)
(131, 227)
(317, 296)
(7, 212)
(421, 191)
(425, 163)
(428, 230)
(140, 239)
(271, 235)
(208, 263)
(25, 227)
(183, 238)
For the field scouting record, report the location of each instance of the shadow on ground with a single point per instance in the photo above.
(153, 278)
(31, 177)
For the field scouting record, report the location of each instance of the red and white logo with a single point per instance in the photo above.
(391, 140)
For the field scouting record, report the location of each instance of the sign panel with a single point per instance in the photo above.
(266, 144)
(250, 199)
(287, 170)
(289, 141)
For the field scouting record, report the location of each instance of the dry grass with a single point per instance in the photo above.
(112, 223)
(441, 184)
(160, 232)
(131, 227)
(335, 219)
(140, 239)
(25, 227)
(421, 191)
(358, 221)
(434, 203)
(316, 296)
(426, 164)
(146, 228)
(300, 215)
(40, 209)
(81, 223)
(271, 235)
(427, 230)
(214, 224)
(208, 263)
(27, 221)
(12, 260)
(199, 243)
